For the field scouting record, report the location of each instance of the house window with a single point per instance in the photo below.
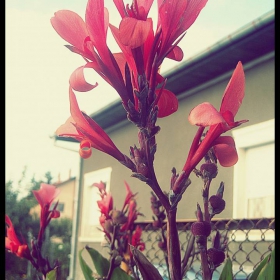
(59, 207)
(90, 227)
(253, 183)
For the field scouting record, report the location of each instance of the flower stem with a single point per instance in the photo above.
(173, 246)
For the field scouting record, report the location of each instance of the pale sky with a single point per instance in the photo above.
(38, 67)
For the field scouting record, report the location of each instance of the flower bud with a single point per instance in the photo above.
(217, 204)
(162, 245)
(108, 226)
(215, 256)
(209, 170)
(118, 217)
(156, 223)
(201, 228)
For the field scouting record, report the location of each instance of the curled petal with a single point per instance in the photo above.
(225, 151)
(167, 103)
(85, 149)
(78, 82)
(133, 32)
(205, 114)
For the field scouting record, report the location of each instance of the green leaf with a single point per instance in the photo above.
(102, 266)
(147, 269)
(85, 268)
(266, 269)
(51, 275)
(227, 271)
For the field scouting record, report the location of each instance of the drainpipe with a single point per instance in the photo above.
(76, 214)
(75, 226)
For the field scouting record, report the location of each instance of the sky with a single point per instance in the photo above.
(38, 67)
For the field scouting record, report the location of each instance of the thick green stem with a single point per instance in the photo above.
(173, 246)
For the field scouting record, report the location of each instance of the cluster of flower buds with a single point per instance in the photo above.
(118, 225)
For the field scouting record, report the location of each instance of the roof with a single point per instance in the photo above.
(250, 42)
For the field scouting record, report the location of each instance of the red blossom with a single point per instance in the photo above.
(45, 196)
(88, 39)
(12, 242)
(82, 128)
(220, 122)
(136, 239)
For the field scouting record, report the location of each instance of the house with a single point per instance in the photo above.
(65, 198)
(249, 185)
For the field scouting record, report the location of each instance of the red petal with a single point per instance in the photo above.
(46, 194)
(97, 21)
(78, 82)
(85, 149)
(68, 129)
(176, 54)
(225, 151)
(167, 103)
(205, 114)
(234, 92)
(133, 32)
(71, 27)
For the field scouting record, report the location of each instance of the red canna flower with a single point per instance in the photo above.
(129, 195)
(106, 205)
(136, 239)
(45, 196)
(88, 39)
(175, 18)
(81, 127)
(219, 122)
(12, 242)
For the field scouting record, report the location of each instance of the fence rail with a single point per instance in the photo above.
(249, 241)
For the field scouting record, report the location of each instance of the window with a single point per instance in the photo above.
(59, 207)
(253, 184)
(90, 215)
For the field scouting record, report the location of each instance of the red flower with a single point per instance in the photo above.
(129, 195)
(12, 242)
(88, 39)
(136, 239)
(175, 18)
(81, 127)
(220, 122)
(45, 197)
(106, 205)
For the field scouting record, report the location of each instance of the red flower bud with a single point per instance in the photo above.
(209, 170)
(215, 256)
(217, 204)
(162, 245)
(201, 228)
(156, 223)
(118, 217)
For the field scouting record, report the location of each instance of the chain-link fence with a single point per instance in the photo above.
(247, 241)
